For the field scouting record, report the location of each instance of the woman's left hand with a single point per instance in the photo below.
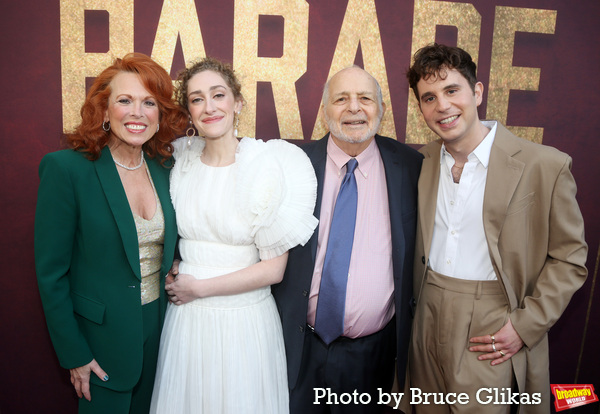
(181, 289)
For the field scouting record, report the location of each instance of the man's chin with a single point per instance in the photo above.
(355, 138)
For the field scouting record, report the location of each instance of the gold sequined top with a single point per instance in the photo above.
(151, 235)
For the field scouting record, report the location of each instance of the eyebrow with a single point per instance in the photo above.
(451, 86)
(127, 95)
(210, 89)
(361, 93)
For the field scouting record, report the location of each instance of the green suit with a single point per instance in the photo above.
(87, 263)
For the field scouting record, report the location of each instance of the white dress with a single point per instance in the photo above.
(225, 354)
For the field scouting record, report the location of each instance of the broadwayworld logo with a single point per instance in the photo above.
(572, 395)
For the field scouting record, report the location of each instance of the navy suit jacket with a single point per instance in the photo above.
(402, 167)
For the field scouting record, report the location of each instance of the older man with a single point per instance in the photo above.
(346, 297)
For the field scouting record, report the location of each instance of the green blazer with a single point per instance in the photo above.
(87, 263)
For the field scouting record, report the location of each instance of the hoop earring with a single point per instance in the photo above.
(237, 123)
(190, 132)
(157, 127)
(106, 126)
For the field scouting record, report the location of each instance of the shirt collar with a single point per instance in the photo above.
(483, 150)
(340, 158)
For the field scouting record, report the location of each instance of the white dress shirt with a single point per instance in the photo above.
(459, 248)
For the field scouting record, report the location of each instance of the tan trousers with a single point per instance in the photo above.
(449, 312)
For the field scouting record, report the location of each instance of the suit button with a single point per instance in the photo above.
(305, 293)
(423, 259)
(301, 328)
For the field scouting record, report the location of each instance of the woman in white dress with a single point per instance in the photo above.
(240, 205)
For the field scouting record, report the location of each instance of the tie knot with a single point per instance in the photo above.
(351, 166)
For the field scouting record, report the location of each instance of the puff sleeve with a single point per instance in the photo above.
(276, 191)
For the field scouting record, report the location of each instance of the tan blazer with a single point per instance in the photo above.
(534, 232)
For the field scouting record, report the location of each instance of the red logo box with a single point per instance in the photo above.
(572, 395)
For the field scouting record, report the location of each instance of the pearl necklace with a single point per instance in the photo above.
(131, 168)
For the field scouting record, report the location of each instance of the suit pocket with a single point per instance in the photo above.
(87, 308)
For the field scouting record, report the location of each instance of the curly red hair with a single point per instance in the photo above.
(89, 136)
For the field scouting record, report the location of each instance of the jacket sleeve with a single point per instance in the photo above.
(55, 236)
(564, 269)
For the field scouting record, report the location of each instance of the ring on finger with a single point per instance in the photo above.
(494, 347)
(502, 353)
(493, 339)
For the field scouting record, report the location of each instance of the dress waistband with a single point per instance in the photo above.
(213, 254)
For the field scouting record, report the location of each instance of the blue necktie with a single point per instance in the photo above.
(329, 321)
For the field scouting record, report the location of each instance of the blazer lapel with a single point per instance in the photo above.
(504, 174)
(428, 191)
(117, 200)
(318, 158)
(394, 171)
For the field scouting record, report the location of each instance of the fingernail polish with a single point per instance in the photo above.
(105, 378)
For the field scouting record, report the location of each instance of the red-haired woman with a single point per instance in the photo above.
(105, 236)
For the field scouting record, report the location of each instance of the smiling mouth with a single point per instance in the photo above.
(212, 119)
(448, 120)
(137, 128)
(354, 123)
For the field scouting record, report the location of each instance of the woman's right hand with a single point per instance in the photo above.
(183, 289)
(80, 378)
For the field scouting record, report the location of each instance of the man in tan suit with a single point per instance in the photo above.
(500, 250)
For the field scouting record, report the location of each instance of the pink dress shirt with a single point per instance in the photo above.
(370, 289)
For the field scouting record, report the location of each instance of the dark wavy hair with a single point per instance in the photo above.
(212, 64)
(432, 59)
(89, 136)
